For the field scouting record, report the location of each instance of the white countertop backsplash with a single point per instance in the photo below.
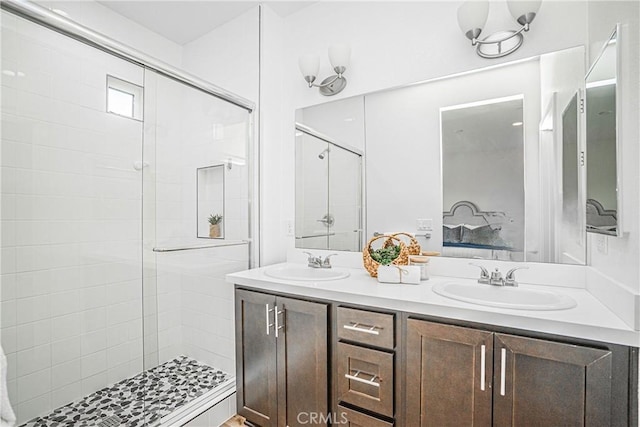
(590, 319)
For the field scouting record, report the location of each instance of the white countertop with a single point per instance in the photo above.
(590, 319)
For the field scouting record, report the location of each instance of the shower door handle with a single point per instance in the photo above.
(328, 220)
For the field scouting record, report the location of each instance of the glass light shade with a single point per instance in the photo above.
(473, 15)
(520, 8)
(339, 55)
(309, 65)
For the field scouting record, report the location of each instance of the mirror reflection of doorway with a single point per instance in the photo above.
(483, 172)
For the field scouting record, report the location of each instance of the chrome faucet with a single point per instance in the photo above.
(484, 274)
(510, 279)
(314, 261)
(496, 278)
(327, 262)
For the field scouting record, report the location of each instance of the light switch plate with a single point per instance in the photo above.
(424, 224)
(601, 244)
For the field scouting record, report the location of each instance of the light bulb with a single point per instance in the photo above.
(524, 11)
(472, 16)
(339, 56)
(309, 66)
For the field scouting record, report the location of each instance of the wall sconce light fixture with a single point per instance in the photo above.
(339, 55)
(472, 17)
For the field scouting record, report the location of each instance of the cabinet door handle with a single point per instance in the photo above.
(373, 330)
(483, 349)
(266, 317)
(503, 370)
(355, 377)
(277, 314)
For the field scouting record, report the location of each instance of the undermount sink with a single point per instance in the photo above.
(296, 272)
(505, 296)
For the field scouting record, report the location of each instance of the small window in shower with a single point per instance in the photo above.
(124, 98)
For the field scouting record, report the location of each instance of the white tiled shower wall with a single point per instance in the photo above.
(71, 225)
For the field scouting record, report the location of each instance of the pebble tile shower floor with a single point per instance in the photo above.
(141, 400)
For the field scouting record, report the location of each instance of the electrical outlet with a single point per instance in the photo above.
(601, 244)
(289, 227)
(424, 224)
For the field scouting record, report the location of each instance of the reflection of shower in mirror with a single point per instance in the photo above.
(323, 153)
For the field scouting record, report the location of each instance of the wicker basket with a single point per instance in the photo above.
(413, 246)
(372, 265)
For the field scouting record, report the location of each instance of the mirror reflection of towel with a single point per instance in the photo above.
(7, 417)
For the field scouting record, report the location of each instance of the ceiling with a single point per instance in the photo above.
(185, 21)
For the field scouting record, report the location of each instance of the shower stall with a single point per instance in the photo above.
(114, 306)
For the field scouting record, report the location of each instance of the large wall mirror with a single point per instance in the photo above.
(603, 195)
(480, 156)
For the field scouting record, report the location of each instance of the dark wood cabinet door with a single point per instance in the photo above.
(448, 375)
(303, 396)
(544, 383)
(256, 368)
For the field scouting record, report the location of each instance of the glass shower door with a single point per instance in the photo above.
(71, 278)
(196, 173)
(313, 219)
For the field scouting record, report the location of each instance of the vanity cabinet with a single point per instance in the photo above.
(463, 376)
(302, 362)
(281, 359)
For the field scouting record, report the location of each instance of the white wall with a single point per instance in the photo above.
(393, 45)
(228, 55)
(275, 159)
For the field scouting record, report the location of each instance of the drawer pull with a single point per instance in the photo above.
(373, 330)
(355, 377)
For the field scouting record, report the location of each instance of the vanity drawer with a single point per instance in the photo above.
(365, 378)
(366, 327)
(350, 418)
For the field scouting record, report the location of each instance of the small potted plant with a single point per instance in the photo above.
(214, 225)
